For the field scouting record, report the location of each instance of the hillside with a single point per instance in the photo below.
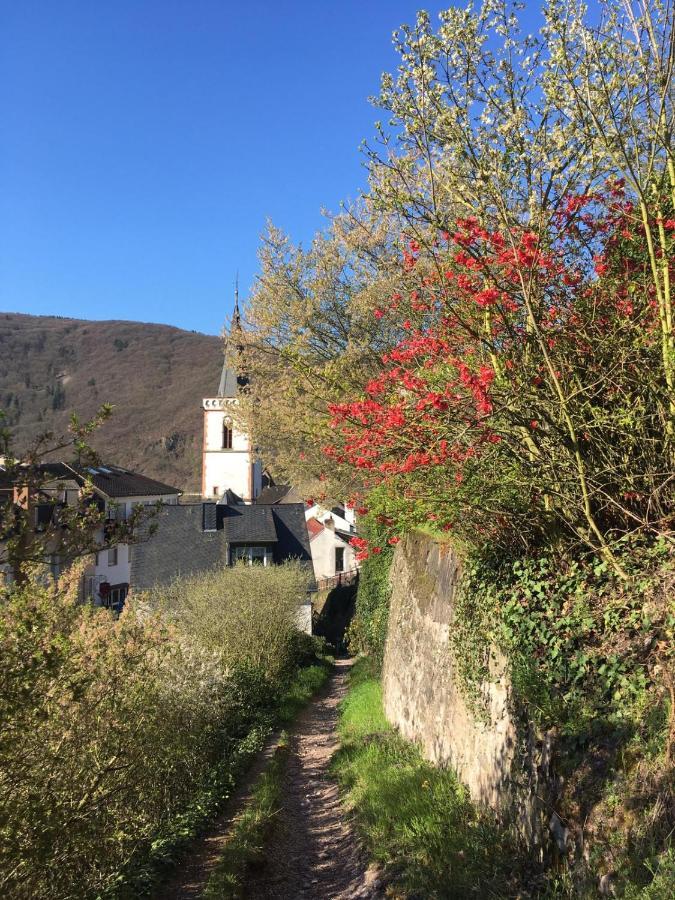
(155, 375)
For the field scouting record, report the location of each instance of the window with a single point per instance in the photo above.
(258, 556)
(227, 434)
(115, 598)
(339, 559)
(215, 490)
(112, 556)
(117, 512)
(251, 555)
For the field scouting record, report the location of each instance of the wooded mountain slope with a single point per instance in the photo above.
(155, 375)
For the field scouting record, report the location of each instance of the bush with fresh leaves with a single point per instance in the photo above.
(246, 614)
(109, 729)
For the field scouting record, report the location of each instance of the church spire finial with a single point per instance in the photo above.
(236, 315)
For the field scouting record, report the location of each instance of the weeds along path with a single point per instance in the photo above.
(191, 878)
(314, 853)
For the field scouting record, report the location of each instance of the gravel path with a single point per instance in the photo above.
(314, 852)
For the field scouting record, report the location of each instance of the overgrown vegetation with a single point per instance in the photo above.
(590, 657)
(483, 347)
(417, 821)
(246, 844)
(120, 737)
(368, 629)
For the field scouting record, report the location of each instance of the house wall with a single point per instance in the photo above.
(323, 553)
(120, 572)
(115, 574)
(178, 547)
(322, 514)
(304, 617)
(127, 504)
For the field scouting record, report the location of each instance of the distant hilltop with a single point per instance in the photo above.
(155, 375)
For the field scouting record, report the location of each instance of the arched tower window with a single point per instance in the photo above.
(227, 434)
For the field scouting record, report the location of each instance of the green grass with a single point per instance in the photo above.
(246, 844)
(305, 683)
(417, 821)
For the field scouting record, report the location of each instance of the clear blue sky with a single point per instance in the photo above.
(145, 142)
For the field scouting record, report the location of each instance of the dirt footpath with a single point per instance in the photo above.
(314, 852)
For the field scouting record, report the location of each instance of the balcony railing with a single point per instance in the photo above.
(339, 580)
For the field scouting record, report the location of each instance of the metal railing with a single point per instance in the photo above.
(338, 580)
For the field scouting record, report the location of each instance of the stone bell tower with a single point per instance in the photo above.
(228, 460)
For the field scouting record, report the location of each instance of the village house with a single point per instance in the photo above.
(330, 532)
(237, 519)
(116, 493)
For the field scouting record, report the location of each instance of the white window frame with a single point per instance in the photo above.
(249, 553)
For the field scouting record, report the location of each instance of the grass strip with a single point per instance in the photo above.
(251, 830)
(417, 821)
(246, 844)
(306, 682)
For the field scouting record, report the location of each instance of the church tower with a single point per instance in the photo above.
(228, 460)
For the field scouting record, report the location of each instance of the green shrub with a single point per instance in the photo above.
(580, 642)
(590, 658)
(118, 737)
(367, 632)
(245, 614)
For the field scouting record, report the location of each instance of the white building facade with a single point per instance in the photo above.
(330, 533)
(228, 460)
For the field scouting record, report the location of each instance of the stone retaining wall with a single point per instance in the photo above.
(503, 769)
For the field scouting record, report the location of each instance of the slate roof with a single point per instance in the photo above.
(230, 498)
(228, 383)
(247, 524)
(113, 481)
(273, 493)
(293, 539)
(276, 494)
(59, 470)
(182, 546)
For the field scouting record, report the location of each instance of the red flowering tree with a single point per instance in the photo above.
(528, 390)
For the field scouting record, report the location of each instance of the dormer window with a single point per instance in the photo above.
(227, 434)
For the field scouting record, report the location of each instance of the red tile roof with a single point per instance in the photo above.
(314, 527)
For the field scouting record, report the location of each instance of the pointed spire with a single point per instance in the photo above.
(228, 379)
(236, 315)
